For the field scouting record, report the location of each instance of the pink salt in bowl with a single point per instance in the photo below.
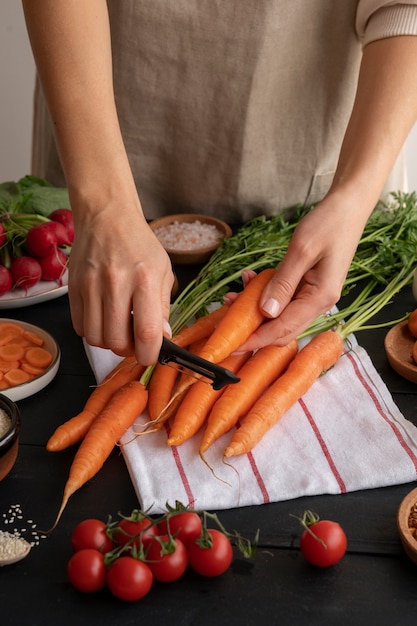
(190, 239)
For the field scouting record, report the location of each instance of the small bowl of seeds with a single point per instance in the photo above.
(190, 239)
(9, 434)
(407, 524)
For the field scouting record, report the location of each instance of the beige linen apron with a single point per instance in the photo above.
(231, 108)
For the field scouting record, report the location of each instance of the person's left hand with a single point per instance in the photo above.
(309, 280)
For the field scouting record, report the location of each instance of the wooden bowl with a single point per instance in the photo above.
(409, 543)
(194, 256)
(398, 347)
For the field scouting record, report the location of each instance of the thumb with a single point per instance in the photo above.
(279, 291)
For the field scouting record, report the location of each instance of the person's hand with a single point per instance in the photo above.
(118, 267)
(309, 280)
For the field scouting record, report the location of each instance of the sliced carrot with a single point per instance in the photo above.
(6, 366)
(16, 377)
(31, 369)
(11, 327)
(33, 338)
(12, 352)
(39, 357)
(6, 337)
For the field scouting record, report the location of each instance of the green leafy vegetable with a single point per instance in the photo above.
(32, 195)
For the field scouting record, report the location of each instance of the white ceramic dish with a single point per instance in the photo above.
(43, 291)
(19, 392)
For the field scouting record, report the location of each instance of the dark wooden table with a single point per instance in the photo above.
(374, 584)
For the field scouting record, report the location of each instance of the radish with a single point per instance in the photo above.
(53, 265)
(3, 235)
(6, 281)
(42, 238)
(26, 271)
(64, 217)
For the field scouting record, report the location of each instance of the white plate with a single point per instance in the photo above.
(43, 291)
(36, 384)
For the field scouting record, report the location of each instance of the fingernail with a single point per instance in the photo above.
(167, 328)
(271, 307)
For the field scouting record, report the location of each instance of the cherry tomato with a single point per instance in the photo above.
(129, 579)
(167, 559)
(86, 570)
(129, 528)
(214, 560)
(324, 543)
(186, 526)
(91, 533)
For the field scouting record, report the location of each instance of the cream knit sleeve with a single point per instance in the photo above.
(376, 19)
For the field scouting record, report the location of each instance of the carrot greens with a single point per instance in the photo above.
(387, 249)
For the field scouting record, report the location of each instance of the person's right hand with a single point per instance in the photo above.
(117, 267)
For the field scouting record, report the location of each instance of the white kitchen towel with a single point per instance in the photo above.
(345, 434)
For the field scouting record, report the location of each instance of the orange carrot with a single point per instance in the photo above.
(31, 369)
(160, 388)
(164, 377)
(316, 357)
(12, 352)
(39, 357)
(255, 376)
(201, 328)
(16, 377)
(241, 320)
(124, 407)
(74, 429)
(6, 366)
(9, 330)
(197, 403)
(33, 338)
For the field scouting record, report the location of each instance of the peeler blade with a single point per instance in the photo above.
(220, 376)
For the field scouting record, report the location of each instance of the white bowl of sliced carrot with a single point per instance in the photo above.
(29, 359)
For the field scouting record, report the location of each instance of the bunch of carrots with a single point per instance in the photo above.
(271, 380)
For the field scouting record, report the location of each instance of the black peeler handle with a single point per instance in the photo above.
(220, 376)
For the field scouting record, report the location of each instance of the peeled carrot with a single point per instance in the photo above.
(256, 376)
(160, 389)
(197, 403)
(201, 328)
(74, 429)
(321, 353)
(119, 414)
(164, 377)
(241, 320)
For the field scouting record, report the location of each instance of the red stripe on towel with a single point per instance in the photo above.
(323, 446)
(259, 479)
(182, 473)
(381, 411)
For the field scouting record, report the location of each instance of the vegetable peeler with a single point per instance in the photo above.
(220, 376)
